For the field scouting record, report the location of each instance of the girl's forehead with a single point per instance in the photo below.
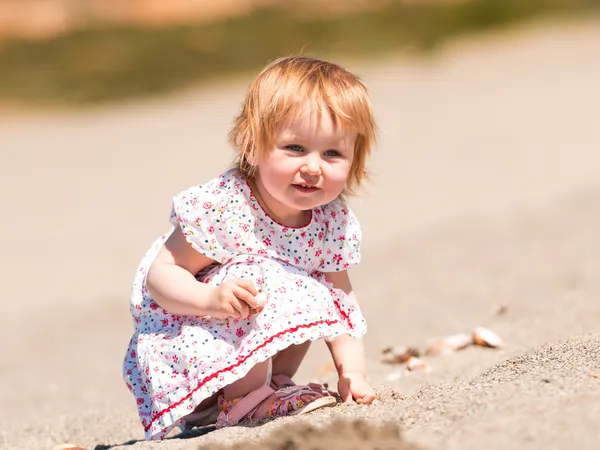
(310, 119)
(310, 130)
(312, 126)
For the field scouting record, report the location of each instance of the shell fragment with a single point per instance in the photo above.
(261, 298)
(415, 364)
(398, 355)
(394, 376)
(486, 338)
(449, 345)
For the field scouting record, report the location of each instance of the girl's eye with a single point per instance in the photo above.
(332, 153)
(295, 148)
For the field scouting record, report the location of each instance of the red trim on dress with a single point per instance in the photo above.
(344, 315)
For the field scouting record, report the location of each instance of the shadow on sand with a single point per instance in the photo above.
(190, 434)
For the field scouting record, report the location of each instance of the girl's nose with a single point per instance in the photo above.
(312, 164)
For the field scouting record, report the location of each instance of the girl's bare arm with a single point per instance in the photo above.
(173, 286)
(171, 280)
(348, 353)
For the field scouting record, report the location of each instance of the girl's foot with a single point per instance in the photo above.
(268, 402)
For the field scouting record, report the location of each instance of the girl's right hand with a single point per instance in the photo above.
(234, 298)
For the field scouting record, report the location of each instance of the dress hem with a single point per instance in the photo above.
(256, 358)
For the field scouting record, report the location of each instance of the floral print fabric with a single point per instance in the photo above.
(174, 362)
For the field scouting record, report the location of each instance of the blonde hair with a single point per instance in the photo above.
(280, 92)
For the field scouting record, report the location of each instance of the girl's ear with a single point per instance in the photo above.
(251, 158)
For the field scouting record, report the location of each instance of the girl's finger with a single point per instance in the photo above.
(245, 296)
(240, 307)
(247, 285)
(254, 311)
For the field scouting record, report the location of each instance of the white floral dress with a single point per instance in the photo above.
(174, 362)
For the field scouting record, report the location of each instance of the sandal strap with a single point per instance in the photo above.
(246, 405)
(287, 392)
(317, 387)
(290, 396)
(280, 381)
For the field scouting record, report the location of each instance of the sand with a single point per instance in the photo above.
(485, 194)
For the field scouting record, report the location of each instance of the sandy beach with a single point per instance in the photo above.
(483, 210)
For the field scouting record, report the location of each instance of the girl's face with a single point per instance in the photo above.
(308, 167)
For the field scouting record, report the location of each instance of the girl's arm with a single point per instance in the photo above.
(348, 353)
(173, 286)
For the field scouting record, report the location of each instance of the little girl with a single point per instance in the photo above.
(226, 304)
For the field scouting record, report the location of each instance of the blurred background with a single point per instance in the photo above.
(485, 183)
(89, 51)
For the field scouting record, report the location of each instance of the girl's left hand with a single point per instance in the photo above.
(354, 386)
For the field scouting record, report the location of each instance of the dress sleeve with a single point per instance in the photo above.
(198, 212)
(342, 238)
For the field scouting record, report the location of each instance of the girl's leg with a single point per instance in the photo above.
(287, 361)
(253, 380)
(204, 412)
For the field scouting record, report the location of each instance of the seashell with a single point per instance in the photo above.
(67, 447)
(398, 355)
(449, 345)
(594, 373)
(486, 338)
(458, 341)
(394, 376)
(415, 364)
(438, 348)
(261, 298)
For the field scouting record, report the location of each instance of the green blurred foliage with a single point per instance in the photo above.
(115, 63)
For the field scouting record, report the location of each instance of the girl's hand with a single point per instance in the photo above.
(354, 386)
(234, 298)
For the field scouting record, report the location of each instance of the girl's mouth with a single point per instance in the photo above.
(305, 187)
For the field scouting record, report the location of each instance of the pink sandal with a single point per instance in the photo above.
(280, 380)
(289, 401)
